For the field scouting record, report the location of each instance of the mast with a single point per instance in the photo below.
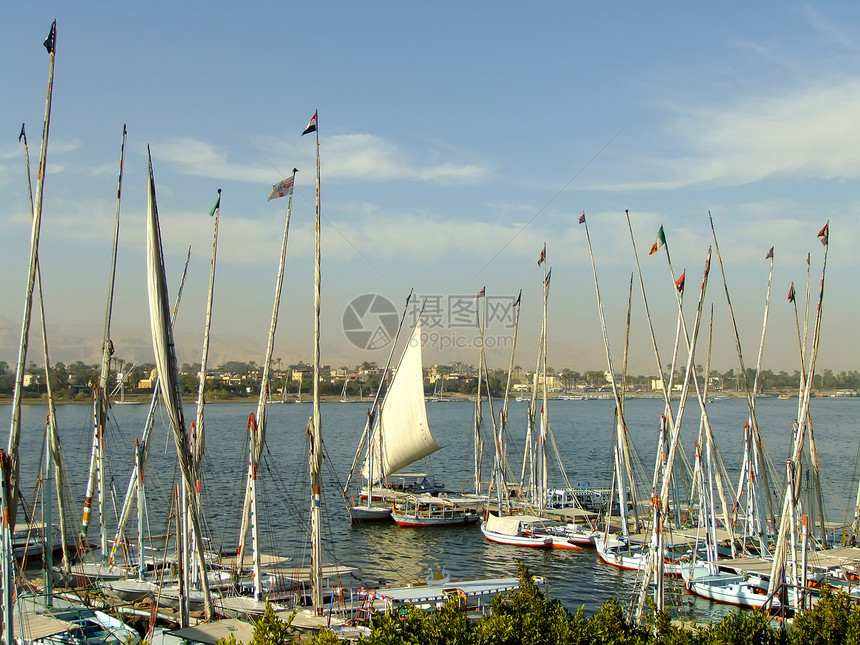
(621, 456)
(800, 427)
(168, 383)
(15, 426)
(482, 294)
(315, 427)
(100, 395)
(53, 454)
(257, 426)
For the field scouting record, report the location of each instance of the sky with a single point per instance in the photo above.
(455, 141)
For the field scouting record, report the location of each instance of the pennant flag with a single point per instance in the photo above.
(481, 293)
(824, 233)
(582, 218)
(282, 188)
(217, 204)
(660, 241)
(312, 125)
(791, 293)
(769, 254)
(49, 41)
(542, 255)
(519, 297)
(679, 283)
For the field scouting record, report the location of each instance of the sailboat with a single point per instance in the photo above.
(398, 433)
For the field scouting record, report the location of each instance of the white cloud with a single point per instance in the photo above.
(353, 156)
(809, 132)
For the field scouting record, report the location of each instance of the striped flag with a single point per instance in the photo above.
(679, 283)
(312, 125)
(542, 257)
(791, 293)
(481, 293)
(282, 188)
(548, 276)
(660, 241)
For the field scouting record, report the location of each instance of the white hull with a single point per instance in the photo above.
(544, 541)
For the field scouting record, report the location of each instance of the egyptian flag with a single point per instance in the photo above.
(312, 125)
(791, 293)
(679, 283)
(660, 241)
(824, 233)
(542, 257)
(481, 293)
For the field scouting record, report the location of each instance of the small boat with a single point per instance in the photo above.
(426, 510)
(515, 530)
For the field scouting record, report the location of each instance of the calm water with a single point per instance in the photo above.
(583, 432)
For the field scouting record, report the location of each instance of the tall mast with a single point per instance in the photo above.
(100, 395)
(53, 455)
(315, 427)
(168, 383)
(257, 426)
(15, 426)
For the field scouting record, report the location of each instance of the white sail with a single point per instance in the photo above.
(402, 420)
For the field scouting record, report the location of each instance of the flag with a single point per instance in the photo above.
(791, 293)
(519, 297)
(679, 283)
(49, 41)
(582, 218)
(23, 134)
(769, 254)
(824, 233)
(660, 241)
(548, 276)
(217, 204)
(481, 293)
(312, 125)
(542, 255)
(282, 188)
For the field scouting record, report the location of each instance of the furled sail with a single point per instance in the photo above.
(402, 421)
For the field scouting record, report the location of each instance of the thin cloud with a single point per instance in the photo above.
(353, 156)
(805, 133)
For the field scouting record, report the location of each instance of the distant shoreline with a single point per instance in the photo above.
(141, 399)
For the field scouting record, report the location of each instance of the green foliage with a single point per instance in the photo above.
(835, 618)
(271, 630)
(744, 628)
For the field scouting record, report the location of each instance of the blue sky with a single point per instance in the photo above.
(456, 139)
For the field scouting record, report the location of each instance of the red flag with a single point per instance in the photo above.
(481, 293)
(582, 218)
(791, 293)
(679, 283)
(312, 125)
(542, 255)
(824, 233)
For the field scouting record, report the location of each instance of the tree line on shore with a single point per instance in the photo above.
(234, 378)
